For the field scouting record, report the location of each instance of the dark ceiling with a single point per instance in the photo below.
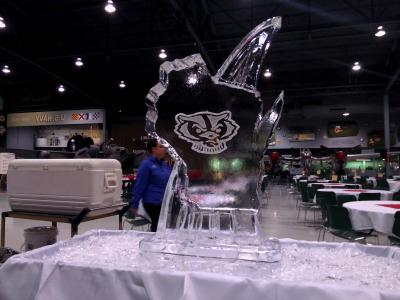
(310, 57)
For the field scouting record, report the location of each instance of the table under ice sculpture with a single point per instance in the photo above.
(105, 265)
(219, 127)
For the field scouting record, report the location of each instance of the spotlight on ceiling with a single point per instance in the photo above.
(346, 114)
(2, 23)
(6, 69)
(356, 66)
(380, 31)
(78, 62)
(267, 73)
(122, 84)
(61, 88)
(192, 79)
(162, 54)
(110, 7)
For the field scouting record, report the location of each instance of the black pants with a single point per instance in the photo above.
(153, 211)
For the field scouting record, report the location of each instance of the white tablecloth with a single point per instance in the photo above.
(372, 180)
(35, 276)
(394, 185)
(385, 195)
(334, 185)
(367, 215)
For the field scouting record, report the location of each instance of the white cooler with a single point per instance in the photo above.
(64, 186)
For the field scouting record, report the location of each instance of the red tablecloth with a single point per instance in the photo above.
(396, 206)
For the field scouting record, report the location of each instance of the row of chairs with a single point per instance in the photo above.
(337, 222)
(335, 218)
(381, 184)
(306, 200)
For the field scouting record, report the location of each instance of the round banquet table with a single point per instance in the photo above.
(377, 215)
(316, 180)
(333, 184)
(385, 195)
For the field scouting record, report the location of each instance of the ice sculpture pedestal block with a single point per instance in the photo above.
(216, 233)
(267, 251)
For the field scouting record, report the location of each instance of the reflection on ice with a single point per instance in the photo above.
(218, 195)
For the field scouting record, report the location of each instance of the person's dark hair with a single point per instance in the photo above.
(151, 144)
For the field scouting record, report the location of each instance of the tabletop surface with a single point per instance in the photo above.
(373, 206)
(355, 191)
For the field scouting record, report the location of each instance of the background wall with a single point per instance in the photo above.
(24, 137)
(21, 138)
(365, 124)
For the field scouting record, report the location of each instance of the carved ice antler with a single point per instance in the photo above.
(241, 69)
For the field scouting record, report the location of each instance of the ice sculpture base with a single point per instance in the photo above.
(224, 247)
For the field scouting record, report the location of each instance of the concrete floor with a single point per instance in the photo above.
(279, 219)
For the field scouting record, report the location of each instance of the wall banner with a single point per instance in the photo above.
(65, 117)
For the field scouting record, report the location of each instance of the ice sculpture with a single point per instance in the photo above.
(216, 129)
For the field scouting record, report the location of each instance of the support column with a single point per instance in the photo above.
(386, 119)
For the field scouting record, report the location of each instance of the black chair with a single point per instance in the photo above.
(351, 186)
(345, 198)
(306, 202)
(382, 184)
(339, 225)
(369, 196)
(298, 182)
(313, 189)
(395, 241)
(349, 179)
(364, 183)
(396, 196)
(324, 199)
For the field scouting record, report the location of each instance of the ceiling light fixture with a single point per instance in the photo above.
(2, 23)
(61, 88)
(78, 62)
(6, 69)
(162, 54)
(267, 73)
(380, 31)
(122, 84)
(192, 79)
(356, 66)
(110, 7)
(346, 114)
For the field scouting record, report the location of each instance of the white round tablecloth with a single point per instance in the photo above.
(365, 215)
(385, 195)
(334, 185)
(311, 177)
(394, 185)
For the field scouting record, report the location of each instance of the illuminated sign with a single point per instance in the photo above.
(68, 117)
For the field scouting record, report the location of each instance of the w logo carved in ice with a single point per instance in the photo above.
(207, 131)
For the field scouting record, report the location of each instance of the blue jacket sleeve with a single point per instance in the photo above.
(140, 186)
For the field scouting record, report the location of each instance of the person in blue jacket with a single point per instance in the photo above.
(151, 181)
